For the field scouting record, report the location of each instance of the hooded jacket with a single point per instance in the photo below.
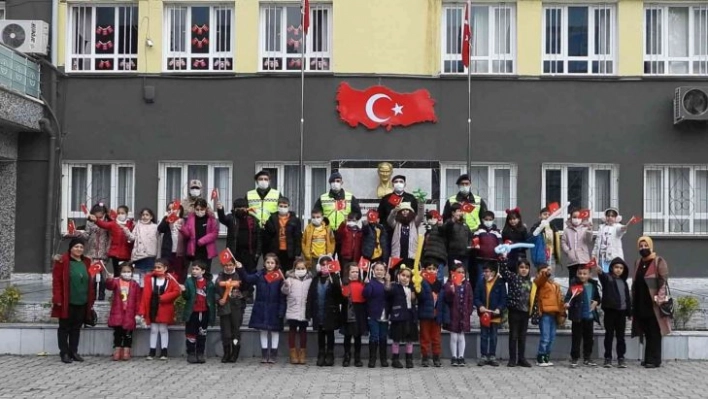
(296, 291)
(610, 289)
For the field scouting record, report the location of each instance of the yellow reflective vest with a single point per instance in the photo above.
(263, 208)
(472, 218)
(330, 211)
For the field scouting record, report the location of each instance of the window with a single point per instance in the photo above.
(103, 38)
(281, 38)
(592, 187)
(676, 199)
(199, 38)
(495, 183)
(2, 10)
(676, 40)
(90, 183)
(579, 39)
(493, 37)
(284, 178)
(175, 178)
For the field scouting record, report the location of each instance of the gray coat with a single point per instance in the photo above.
(576, 244)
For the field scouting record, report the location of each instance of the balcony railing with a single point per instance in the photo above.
(19, 73)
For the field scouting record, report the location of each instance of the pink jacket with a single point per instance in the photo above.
(189, 232)
(120, 317)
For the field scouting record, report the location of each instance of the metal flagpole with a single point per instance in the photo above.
(469, 91)
(301, 174)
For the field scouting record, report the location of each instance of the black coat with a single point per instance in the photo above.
(575, 311)
(333, 304)
(385, 207)
(459, 238)
(232, 223)
(435, 246)
(368, 241)
(293, 235)
(610, 294)
(166, 248)
(515, 235)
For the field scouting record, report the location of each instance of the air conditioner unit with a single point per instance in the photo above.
(30, 37)
(690, 104)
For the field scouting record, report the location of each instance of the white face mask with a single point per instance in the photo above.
(122, 217)
(464, 189)
(351, 223)
(200, 214)
(317, 221)
(263, 184)
(300, 273)
(398, 187)
(575, 221)
(336, 186)
(489, 223)
(283, 211)
(195, 192)
(126, 276)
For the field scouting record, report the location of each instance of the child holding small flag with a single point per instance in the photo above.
(549, 301)
(157, 306)
(430, 314)
(124, 307)
(200, 231)
(576, 241)
(199, 311)
(459, 302)
(296, 288)
(172, 241)
(348, 242)
(231, 306)
(582, 300)
(404, 317)
(353, 315)
(377, 311)
(608, 243)
(317, 239)
(323, 307)
(375, 240)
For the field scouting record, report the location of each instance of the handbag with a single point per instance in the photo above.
(91, 319)
(667, 308)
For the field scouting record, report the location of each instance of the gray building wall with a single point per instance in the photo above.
(252, 119)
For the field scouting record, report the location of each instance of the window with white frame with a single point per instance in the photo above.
(493, 38)
(284, 178)
(199, 37)
(579, 39)
(103, 38)
(495, 183)
(281, 38)
(676, 199)
(676, 39)
(2, 10)
(90, 183)
(175, 177)
(589, 186)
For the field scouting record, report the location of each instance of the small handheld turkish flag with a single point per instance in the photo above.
(335, 267)
(363, 264)
(429, 277)
(96, 268)
(553, 206)
(372, 216)
(457, 278)
(215, 194)
(71, 227)
(394, 200)
(634, 220)
(341, 205)
(113, 214)
(584, 214)
(485, 320)
(272, 276)
(575, 291)
(467, 207)
(226, 256)
(84, 209)
(394, 262)
(592, 264)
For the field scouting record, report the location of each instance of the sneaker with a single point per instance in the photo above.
(589, 363)
(492, 361)
(425, 362)
(547, 359)
(482, 361)
(607, 364)
(573, 363)
(541, 361)
(461, 362)
(621, 364)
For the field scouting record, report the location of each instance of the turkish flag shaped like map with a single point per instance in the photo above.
(381, 106)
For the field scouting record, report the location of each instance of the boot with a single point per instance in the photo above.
(264, 355)
(383, 355)
(201, 358)
(117, 354)
(329, 358)
(357, 360)
(293, 356)
(425, 362)
(373, 348)
(436, 361)
(273, 356)
(192, 354)
(235, 350)
(347, 359)
(409, 360)
(302, 356)
(126, 354)
(320, 358)
(227, 353)
(163, 354)
(396, 361)
(151, 355)
(65, 358)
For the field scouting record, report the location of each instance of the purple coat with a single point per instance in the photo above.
(375, 295)
(459, 305)
(189, 232)
(119, 317)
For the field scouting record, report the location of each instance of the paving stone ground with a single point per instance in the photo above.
(99, 377)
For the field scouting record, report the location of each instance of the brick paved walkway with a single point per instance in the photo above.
(46, 377)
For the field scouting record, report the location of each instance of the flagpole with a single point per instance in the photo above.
(469, 94)
(301, 174)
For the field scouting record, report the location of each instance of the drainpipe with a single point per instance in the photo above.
(46, 126)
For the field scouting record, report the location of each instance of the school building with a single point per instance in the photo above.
(570, 102)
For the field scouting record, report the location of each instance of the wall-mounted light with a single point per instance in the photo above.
(149, 43)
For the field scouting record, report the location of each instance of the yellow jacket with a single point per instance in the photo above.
(307, 243)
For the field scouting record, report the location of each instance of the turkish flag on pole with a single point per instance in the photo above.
(306, 16)
(466, 37)
(381, 106)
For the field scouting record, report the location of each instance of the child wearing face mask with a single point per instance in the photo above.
(430, 314)
(269, 305)
(354, 315)
(157, 306)
(520, 304)
(435, 245)
(145, 240)
(230, 309)
(490, 297)
(457, 312)
(458, 236)
(405, 223)
(374, 240)
(173, 242)
(608, 242)
(348, 242)
(576, 242)
(545, 239)
(514, 232)
(296, 288)
(121, 247)
(124, 307)
(377, 311)
(404, 323)
(98, 243)
(487, 237)
(283, 232)
(323, 307)
(200, 232)
(199, 311)
(317, 239)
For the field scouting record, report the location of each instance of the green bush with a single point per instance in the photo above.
(686, 307)
(179, 309)
(9, 298)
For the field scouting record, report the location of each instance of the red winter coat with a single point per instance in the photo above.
(120, 247)
(60, 287)
(119, 317)
(349, 243)
(166, 309)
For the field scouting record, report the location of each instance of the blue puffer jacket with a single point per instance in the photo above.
(428, 308)
(497, 298)
(269, 305)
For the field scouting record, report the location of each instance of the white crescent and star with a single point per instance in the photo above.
(397, 109)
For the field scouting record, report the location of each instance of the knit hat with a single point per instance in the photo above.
(399, 177)
(195, 184)
(463, 178)
(263, 173)
(404, 206)
(335, 175)
(240, 203)
(76, 241)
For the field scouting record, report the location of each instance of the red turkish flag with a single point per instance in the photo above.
(394, 200)
(306, 16)
(271, 276)
(553, 207)
(584, 214)
(226, 256)
(96, 268)
(341, 205)
(84, 209)
(335, 267)
(113, 214)
(394, 262)
(457, 278)
(466, 35)
(363, 264)
(71, 227)
(381, 106)
(467, 207)
(215, 194)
